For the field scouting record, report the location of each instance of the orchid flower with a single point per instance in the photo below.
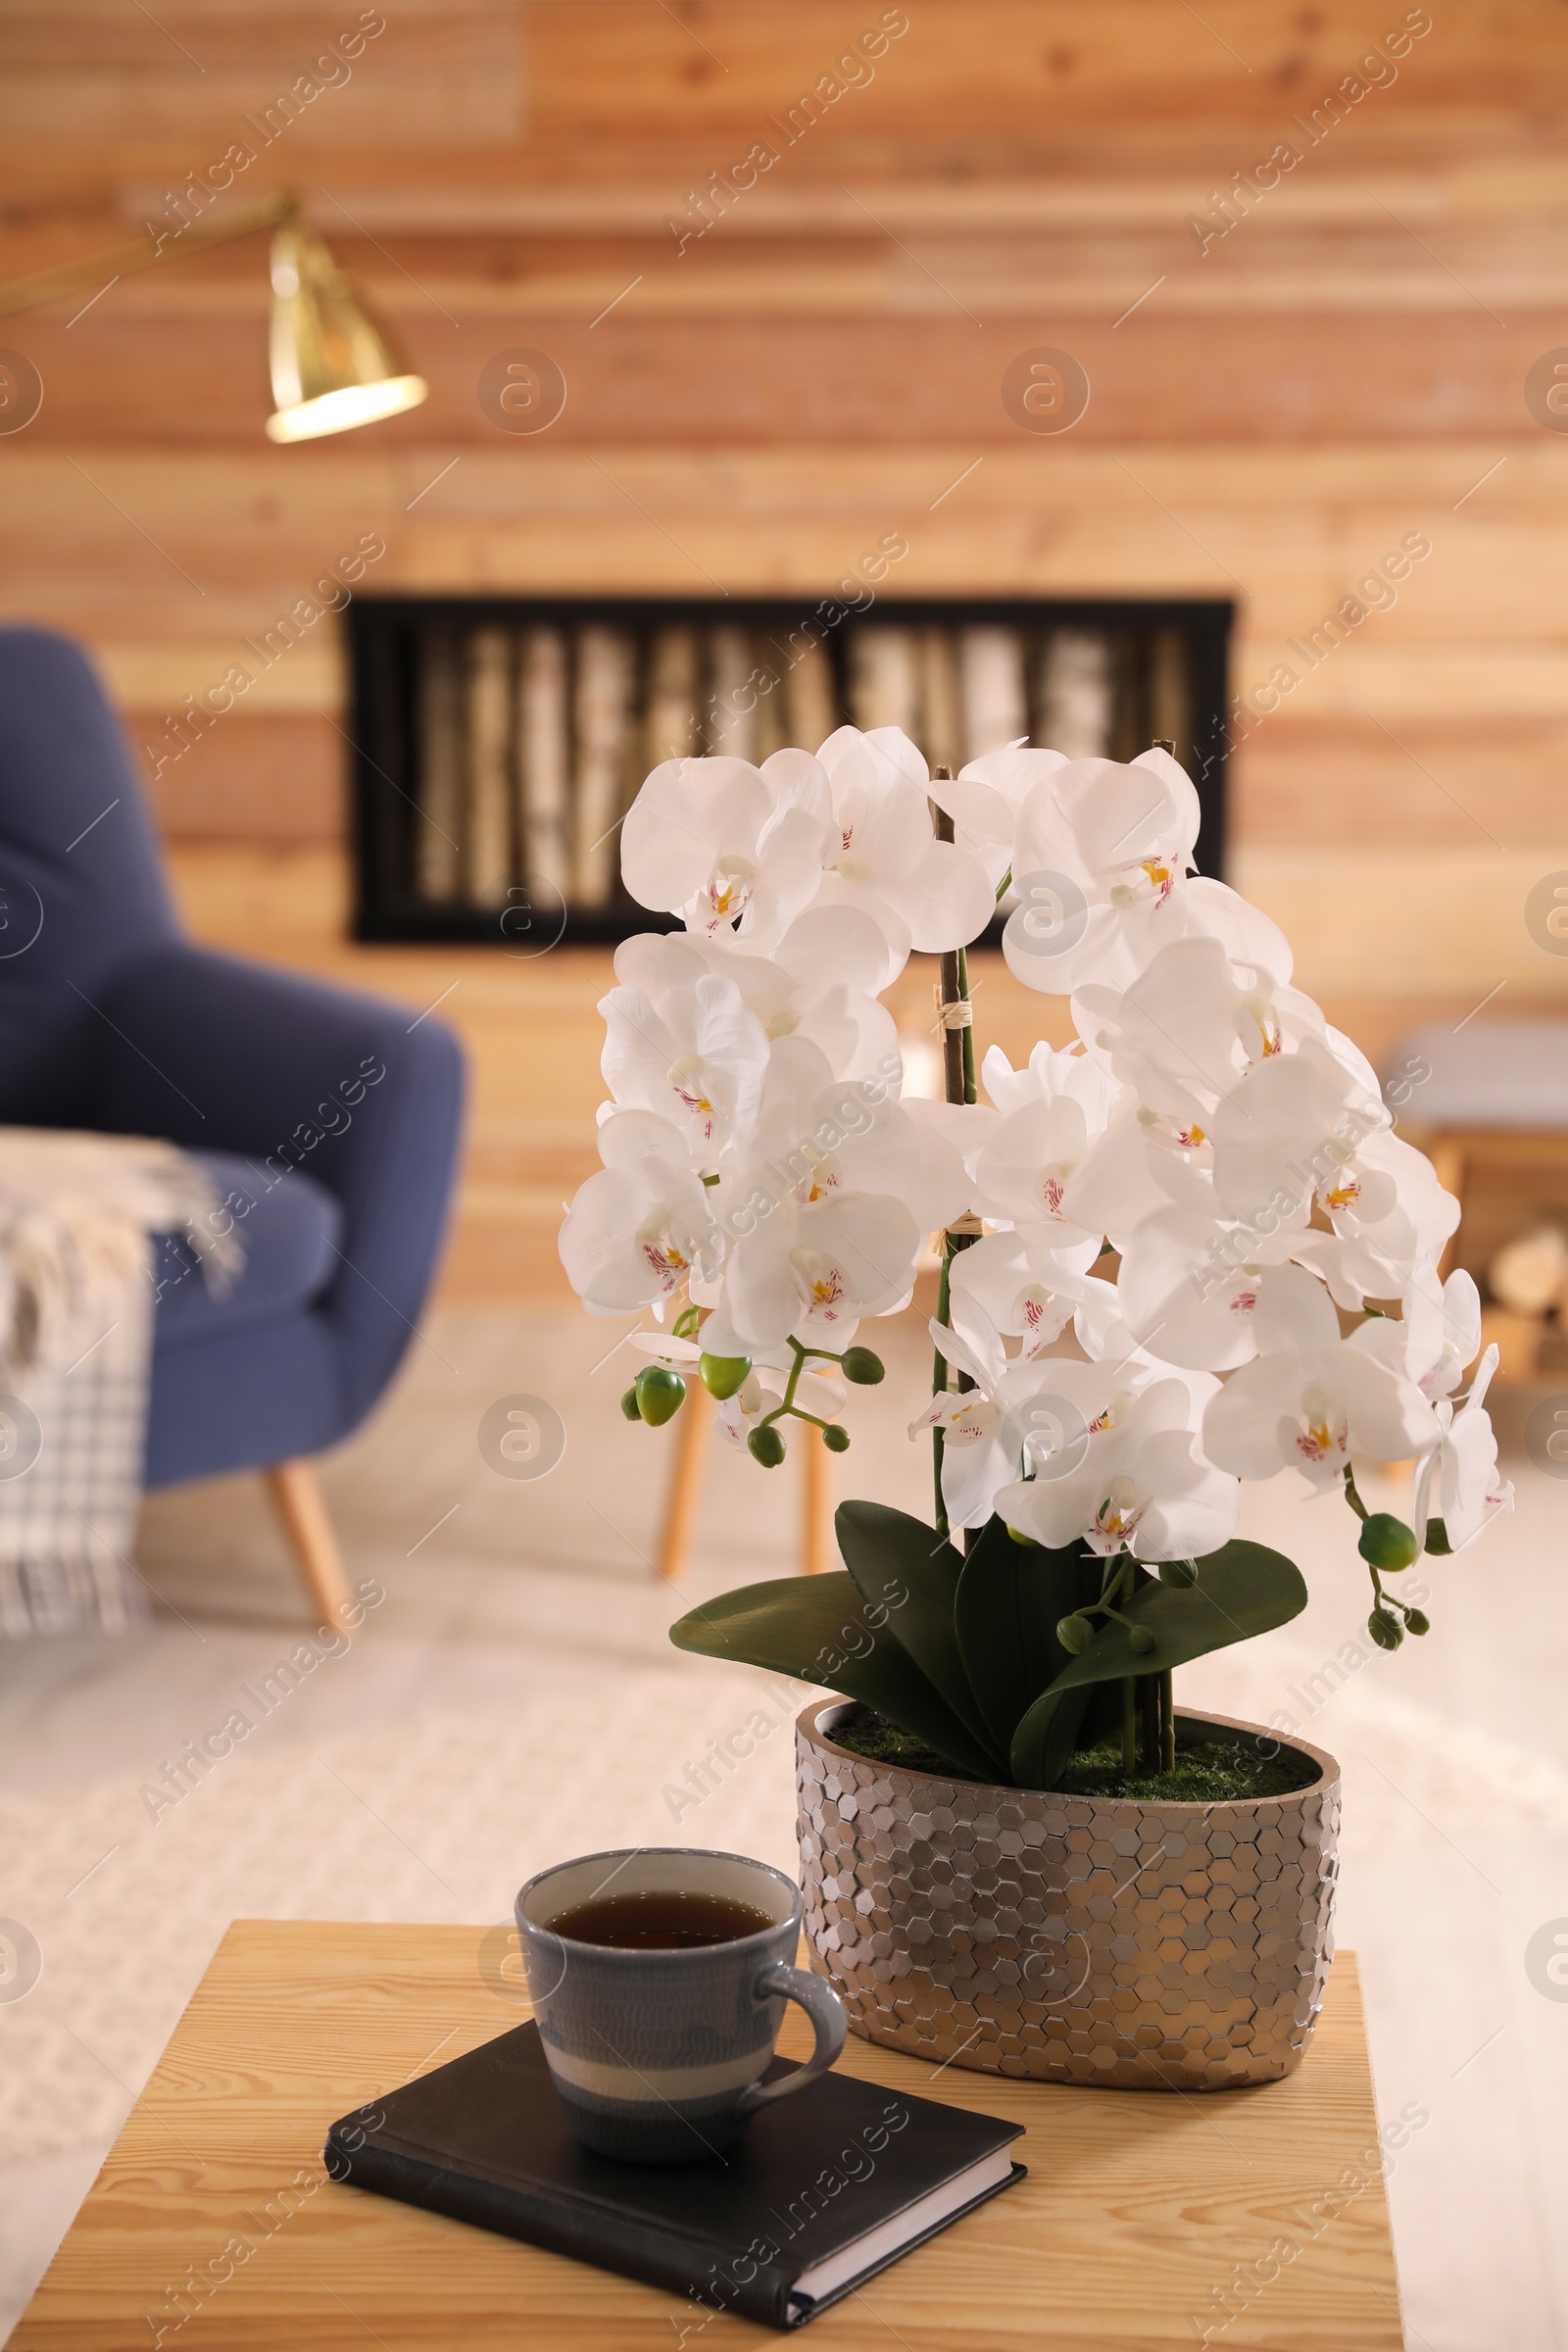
(725, 845)
(1312, 1408)
(696, 1056)
(1134, 1480)
(635, 1232)
(882, 857)
(1459, 1476)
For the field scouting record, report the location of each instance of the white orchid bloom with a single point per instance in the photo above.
(986, 798)
(815, 1135)
(989, 1429)
(698, 1055)
(1387, 1200)
(1443, 1322)
(821, 996)
(1315, 1403)
(1011, 1417)
(636, 1231)
(1193, 1024)
(1053, 1114)
(1458, 1480)
(729, 847)
(1212, 1309)
(1294, 1130)
(812, 1270)
(882, 857)
(1025, 1288)
(974, 1463)
(1132, 1478)
(1118, 840)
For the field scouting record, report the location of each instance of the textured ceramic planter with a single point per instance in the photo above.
(1072, 1939)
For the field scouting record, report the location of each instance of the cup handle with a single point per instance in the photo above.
(826, 2013)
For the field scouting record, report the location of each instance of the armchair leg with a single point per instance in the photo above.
(303, 1511)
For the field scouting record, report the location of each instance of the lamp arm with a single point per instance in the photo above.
(25, 293)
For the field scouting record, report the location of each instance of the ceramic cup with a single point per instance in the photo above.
(658, 2055)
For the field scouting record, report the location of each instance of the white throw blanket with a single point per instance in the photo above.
(78, 1213)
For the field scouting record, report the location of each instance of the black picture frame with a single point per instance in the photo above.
(384, 634)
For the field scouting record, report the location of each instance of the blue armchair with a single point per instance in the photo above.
(328, 1121)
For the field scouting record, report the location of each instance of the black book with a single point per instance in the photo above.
(824, 2190)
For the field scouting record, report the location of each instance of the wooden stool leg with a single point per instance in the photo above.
(685, 1485)
(304, 1514)
(816, 1505)
(1447, 1156)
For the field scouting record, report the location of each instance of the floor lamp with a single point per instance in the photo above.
(332, 367)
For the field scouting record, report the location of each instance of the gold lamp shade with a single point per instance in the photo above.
(332, 368)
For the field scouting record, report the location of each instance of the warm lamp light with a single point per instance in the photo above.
(332, 368)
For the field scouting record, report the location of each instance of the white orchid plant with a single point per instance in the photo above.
(1187, 1250)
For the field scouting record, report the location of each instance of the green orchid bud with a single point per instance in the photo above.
(630, 1406)
(861, 1366)
(1180, 1573)
(766, 1446)
(1416, 1621)
(722, 1375)
(1384, 1629)
(1018, 1537)
(835, 1438)
(1142, 1640)
(1387, 1543)
(659, 1393)
(1075, 1632)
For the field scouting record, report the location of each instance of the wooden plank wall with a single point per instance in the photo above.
(1272, 409)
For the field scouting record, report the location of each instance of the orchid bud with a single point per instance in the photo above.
(1384, 1629)
(864, 1367)
(766, 1446)
(659, 1393)
(835, 1438)
(722, 1375)
(1416, 1621)
(1387, 1543)
(1142, 1640)
(630, 1406)
(1075, 1633)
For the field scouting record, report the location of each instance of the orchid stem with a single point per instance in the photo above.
(939, 1382)
(971, 1090)
(959, 1086)
(1167, 1722)
(1129, 1725)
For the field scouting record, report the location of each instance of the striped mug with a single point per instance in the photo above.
(657, 2054)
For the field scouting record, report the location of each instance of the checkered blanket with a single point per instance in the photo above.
(78, 1217)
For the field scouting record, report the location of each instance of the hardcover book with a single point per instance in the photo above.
(824, 2190)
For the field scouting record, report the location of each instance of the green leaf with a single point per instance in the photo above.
(1047, 1737)
(1242, 1590)
(821, 1629)
(1010, 1599)
(906, 1568)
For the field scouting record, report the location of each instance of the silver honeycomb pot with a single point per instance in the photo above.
(1070, 1939)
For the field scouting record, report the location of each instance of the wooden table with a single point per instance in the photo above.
(1243, 2219)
